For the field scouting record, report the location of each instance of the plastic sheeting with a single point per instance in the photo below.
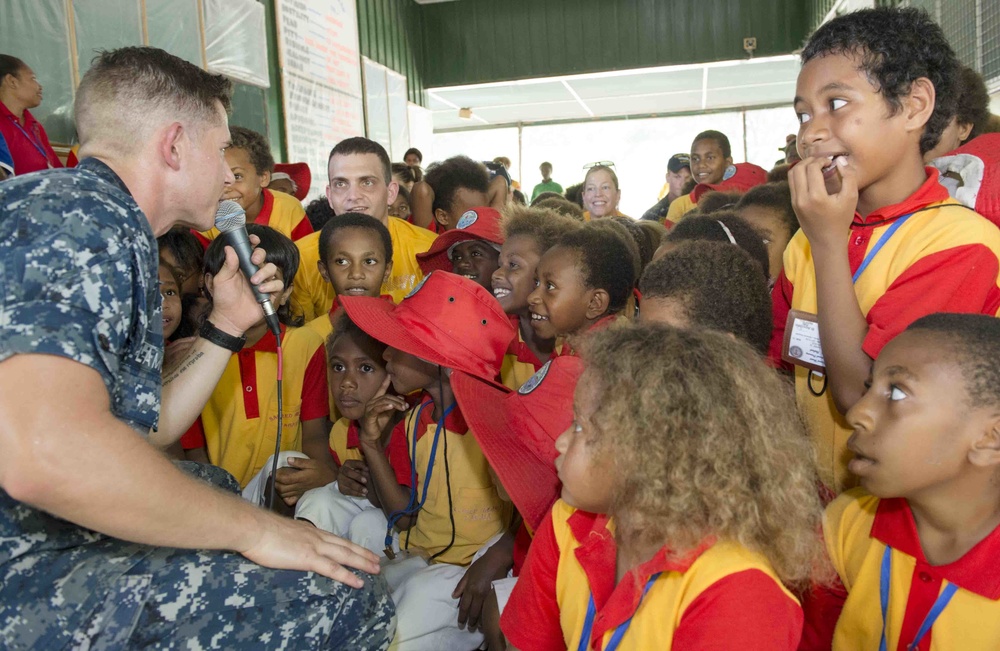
(105, 25)
(235, 40)
(36, 32)
(173, 25)
(376, 104)
(398, 118)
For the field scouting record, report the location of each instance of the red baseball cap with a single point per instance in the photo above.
(446, 320)
(480, 223)
(517, 430)
(977, 163)
(747, 176)
(300, 174)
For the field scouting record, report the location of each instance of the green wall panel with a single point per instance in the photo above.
(390, 32)
(476, 41)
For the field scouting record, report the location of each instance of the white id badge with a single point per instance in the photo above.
(802, 345)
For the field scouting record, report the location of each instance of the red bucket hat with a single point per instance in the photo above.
(446, 320)
(747, 176)
(480, 223)
(300, 174)
(977, 164)
(517, 430)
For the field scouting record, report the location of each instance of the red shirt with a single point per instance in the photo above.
(28, 143)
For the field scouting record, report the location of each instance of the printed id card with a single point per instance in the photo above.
(802, 346)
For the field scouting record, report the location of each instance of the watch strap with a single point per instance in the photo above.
(213, 335)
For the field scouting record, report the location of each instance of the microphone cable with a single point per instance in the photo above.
(269, 500)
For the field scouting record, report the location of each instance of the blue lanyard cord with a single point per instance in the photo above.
(410, 508)
(886, 236)
(35, 143)
(616, 637)
(939, 605)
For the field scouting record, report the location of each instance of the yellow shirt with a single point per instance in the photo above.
(282, 212)
(680, 207)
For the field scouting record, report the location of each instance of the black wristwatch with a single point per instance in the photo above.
(213, 335)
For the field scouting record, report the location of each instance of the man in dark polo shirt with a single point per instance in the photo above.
(103, 542)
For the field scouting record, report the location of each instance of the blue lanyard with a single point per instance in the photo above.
(886, 236)
(34, 142)
(616, 637)
(932, 614)
(398, 515)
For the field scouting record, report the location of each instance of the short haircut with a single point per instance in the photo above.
(544, 226)
(895, 47)
(10, 65)
(714, 229)
(344, 327)
(546, 164)
(561, 206)
(773, 196)
(607, 257)
(973, 102)
(574, 194)
(354, 220)
(601, 168)
(255, 145)
(359, 145)
(779, 173)
(716, 201)
(974, 340)
(644, 247)
(127, 92)
(548, 194)
(446, 177)
(719, 137)
(281, 251)
(718, 285)
(319, 212)
(185, 248)
(519, 197)
(414, 150)
(404, 172)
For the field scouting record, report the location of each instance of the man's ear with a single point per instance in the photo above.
(985, 451)
(918, 105)
(393, 191)
(169, 145)
(597, 305)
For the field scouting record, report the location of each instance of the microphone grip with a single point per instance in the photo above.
(240, 241)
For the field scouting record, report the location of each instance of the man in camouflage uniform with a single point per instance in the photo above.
(105, 544)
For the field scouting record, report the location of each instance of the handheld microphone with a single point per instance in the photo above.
(231, 221)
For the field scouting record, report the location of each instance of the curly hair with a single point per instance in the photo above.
(574, 194)
(562, 206)
(718, 137)
(319, 212)
(256, 147)
(280, 250)
(456, 172)
(716, 201)
(776, 197)
(714, 228)
(608, 258)
(969, 338)
(705, 442)
(644, 247)
(718, 286)
(973, 102)
(543, 226)
(894, 47)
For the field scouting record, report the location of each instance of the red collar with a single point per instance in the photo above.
(930, 192)
(28, 117)
(353, 440)
(519, 349)
(264, 216)
(597, 555)
(267, 343)
(453, 422)
(977, 571)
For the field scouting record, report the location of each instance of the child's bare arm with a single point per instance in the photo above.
(826, 220)
(498, 192)
(422, 204)
(378, 415)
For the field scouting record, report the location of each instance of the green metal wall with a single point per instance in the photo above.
(390, 32)
(475, 41)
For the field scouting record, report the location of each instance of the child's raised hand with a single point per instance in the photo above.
(353, 479)
(379, 413)
(825, 206)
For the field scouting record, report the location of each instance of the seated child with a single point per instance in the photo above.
(708, 285)
(583, 282)
(915, 547)
(517, 431)
(249, 158)
(238, 426)
(528, 233)
(453, 510)
(881, 244)
(688, 509)
(718, 227)
(768, 208)
(470, 249)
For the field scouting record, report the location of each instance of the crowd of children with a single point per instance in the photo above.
(565, 429)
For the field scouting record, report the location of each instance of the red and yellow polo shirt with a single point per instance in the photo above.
(345, 444)
(519, 363)
(282, 212)
(479, 513)
(28, 143)
(858, 528)
(238, 425)
(679, 207)
(313, 296)
(720, 596)
(944, 258)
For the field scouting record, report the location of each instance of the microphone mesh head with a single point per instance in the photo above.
(230, 216)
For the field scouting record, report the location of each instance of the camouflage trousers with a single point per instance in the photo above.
(82, 590)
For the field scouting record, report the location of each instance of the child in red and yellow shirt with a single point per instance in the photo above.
(688, 504)
(915, 547)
